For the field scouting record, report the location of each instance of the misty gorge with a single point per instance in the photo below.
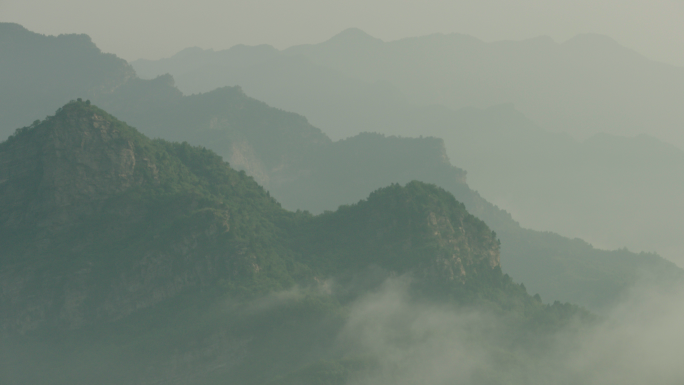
(230, 193)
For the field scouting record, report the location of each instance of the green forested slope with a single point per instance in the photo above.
(136, 260)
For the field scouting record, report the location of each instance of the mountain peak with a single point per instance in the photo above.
(417, 228)
(191, 51)
(6, 28)
(77, 117)
(61, 167)
(353, 36)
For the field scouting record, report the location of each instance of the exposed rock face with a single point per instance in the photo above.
(462, 251)
(415, 228)
(447, 241)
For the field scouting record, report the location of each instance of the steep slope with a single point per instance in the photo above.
(556, 267)
(249, 134)
(152, 261)
(403, 228)
(39, 73)
(127, 221)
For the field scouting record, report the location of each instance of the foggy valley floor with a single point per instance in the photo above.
(223, 240)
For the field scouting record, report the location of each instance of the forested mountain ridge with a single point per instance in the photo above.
(86, 195)
(113, 242)
(83, 179)
(304, 169)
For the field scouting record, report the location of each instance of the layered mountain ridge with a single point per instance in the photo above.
(304, 169)
(112, 239)
(82, 180)
(522, 117)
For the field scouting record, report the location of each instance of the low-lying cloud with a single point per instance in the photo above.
(639, 341)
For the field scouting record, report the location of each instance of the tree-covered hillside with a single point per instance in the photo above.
(147, 260)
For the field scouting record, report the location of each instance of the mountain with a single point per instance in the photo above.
(548, 180)
(246, 132)
(39, 73)
(88, 200)
(304, 169)
(130, 260)
(596, 93)
(609, 190)
(343, 105)
(604, 87)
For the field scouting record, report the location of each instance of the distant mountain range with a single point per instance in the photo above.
(586, 85)
(303, 169)
(609, 189)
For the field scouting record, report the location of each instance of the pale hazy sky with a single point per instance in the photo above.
(152, 29)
